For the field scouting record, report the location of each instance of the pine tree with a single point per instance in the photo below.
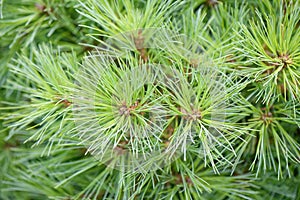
(161, 99)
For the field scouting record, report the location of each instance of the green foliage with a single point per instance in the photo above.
(271, 43)
(159, 99)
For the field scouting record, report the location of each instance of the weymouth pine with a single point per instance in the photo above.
(162, 99)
